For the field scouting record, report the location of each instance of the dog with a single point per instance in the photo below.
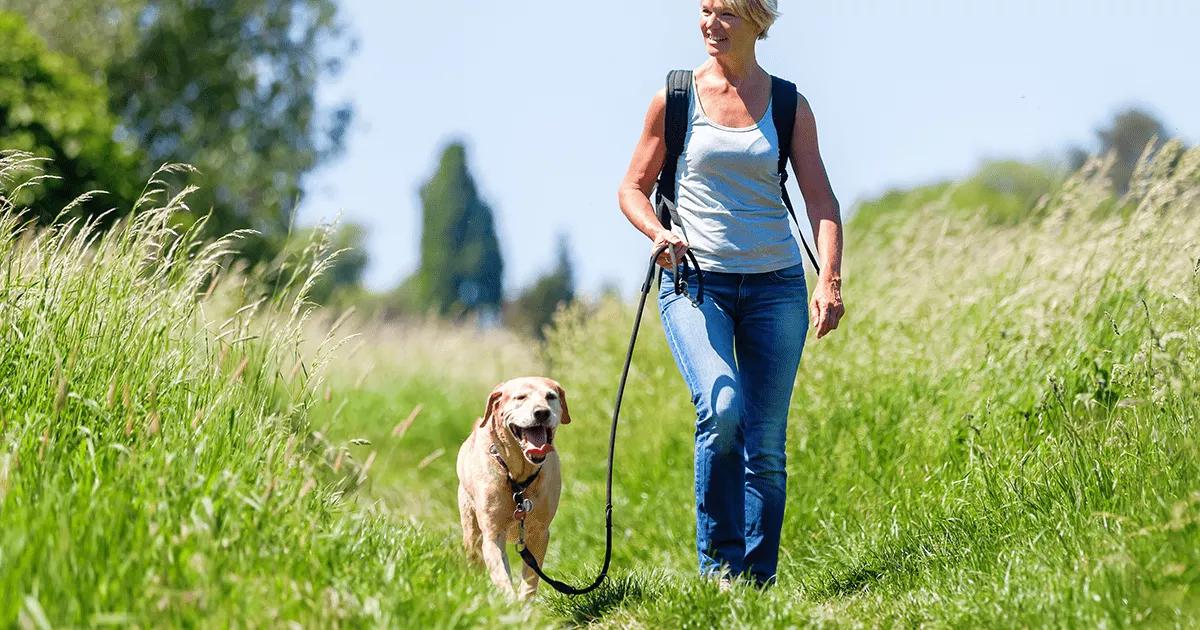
(512, 447)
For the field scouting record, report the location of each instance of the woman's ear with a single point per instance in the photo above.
(562, 403)
(493, 400)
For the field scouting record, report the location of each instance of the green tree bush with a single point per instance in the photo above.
(533, 310)
(1004, 192)
(51, 109)
(339, 284)
(1125, 138)
(228, 86)
(93, 33)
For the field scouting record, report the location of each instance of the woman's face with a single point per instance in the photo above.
(723, 30)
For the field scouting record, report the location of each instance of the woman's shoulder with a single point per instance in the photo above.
(658, 102)
(803, 108)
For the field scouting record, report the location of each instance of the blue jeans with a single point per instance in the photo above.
(739, 352)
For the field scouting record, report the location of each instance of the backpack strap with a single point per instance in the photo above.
(679, 96)
(783, 113)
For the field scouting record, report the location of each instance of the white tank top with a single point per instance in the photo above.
(729, 207)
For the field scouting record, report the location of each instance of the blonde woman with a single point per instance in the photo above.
(739, 348)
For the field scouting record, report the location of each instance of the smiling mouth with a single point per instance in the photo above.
(536, 442)
(716, 40)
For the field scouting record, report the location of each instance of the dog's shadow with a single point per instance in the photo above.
(615, 592)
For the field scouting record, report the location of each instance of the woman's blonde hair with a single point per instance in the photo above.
(762, 13)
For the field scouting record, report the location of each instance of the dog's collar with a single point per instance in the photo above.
(517, 486)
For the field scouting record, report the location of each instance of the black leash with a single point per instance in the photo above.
(523, 506)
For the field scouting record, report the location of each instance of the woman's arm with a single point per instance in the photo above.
(824, 214)
(634, 193)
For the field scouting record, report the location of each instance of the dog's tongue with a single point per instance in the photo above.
(534, 442)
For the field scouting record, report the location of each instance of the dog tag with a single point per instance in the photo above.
(526, 505)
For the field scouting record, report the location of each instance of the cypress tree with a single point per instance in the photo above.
(461, 266)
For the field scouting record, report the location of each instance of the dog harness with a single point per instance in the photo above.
(523, 505)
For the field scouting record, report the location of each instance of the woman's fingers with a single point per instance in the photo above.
(827, 324)
(678, 245)
(822, 318)
(825, 316)
(664, 258)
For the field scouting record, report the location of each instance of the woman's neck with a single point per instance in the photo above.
(734, 69)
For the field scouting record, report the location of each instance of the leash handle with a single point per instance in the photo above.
(527, 555)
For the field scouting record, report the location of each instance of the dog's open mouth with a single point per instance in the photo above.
(536, 442)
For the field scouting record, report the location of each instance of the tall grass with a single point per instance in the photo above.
(156, 461)
(1003, 431)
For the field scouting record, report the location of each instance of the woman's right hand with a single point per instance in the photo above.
(664, 237)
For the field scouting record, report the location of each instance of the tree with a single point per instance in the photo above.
(1127, 136)
(460, 263)
(229, 86)
(225, 85)
(534, 309)
(341, 282)
(92, 33)
(51, 109)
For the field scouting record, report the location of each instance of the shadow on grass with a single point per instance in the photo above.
(614, 593)
(868, 571)
(908, 556)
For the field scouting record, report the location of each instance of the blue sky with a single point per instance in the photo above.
(550, 97)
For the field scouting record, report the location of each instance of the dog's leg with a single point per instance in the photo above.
(472, 536)
(536, 540)
(497, 561)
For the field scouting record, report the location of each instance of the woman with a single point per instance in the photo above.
(731, 215)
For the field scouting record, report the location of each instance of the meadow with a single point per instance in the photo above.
(1002, 433)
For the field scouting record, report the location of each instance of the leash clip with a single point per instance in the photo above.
(524, 506)
(679, 270)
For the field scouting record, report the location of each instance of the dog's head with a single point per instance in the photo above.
(529, 409)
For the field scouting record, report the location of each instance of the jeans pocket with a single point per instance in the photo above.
(789, 274)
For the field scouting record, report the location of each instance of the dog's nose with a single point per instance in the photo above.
(541, 415)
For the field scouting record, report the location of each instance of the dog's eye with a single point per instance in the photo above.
(551, 396)
(521, 397)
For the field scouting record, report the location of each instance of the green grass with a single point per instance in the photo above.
(1003, 433)
(155, 461)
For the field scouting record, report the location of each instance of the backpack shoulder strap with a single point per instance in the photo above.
(783, 114)
(784, 99)
(679, 96)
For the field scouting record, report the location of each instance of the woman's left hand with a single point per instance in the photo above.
(826, 309)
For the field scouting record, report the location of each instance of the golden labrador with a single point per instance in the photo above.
(511, 449)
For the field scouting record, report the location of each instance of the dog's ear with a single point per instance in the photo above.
(493, 400)
(562, 403)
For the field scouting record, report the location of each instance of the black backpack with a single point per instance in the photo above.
(679, 96)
